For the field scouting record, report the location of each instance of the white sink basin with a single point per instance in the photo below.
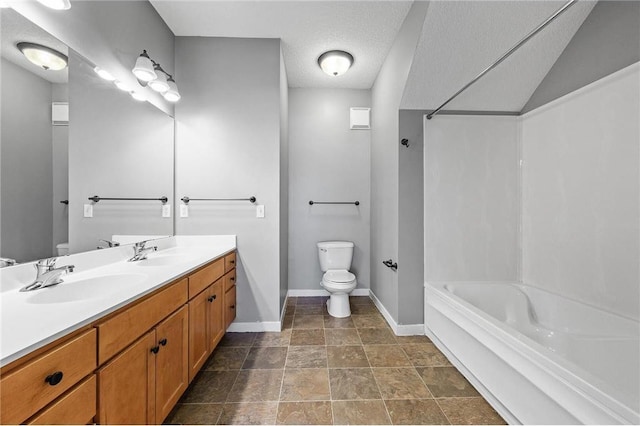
(165, 260)
(85, 289)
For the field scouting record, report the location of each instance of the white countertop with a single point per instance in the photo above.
(28, 324)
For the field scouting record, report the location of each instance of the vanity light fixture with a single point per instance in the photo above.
(160, 84)
(144, 69)
(56, 4)
(121, 85)
(138, 96)
(172, 95)
(335, 62)
(43, 56)
(104, 74)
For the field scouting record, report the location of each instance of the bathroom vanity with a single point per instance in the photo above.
(121, 354)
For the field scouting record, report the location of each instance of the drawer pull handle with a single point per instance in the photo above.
(232, 306)
(211, 298)
(55, 378)
(163, 342)
(155, 349)
(232, 262)
(232, 278)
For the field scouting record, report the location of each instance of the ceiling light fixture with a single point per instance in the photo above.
(104, 74)
(56, 4)
(43, 56)
(335, 62)
(144, 70)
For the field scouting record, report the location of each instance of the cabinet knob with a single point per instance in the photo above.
(155, 349)
(232, 306)
(163, 342)
(211, 298)
(55, 378)
(232, 278)
(232, 262)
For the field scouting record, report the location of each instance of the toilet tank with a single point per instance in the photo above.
(335, 255)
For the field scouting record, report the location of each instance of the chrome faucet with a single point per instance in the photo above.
(140, 251)
(48, 274)
(107, 244)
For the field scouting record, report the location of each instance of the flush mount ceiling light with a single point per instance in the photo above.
(335, 62)
(56, 4)
(43, 56)
(144, 69)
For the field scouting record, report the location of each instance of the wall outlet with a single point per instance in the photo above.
(260, 211)
(88, 210)
(184, 210)
(166, 210)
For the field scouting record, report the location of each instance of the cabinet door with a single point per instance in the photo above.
(198, 333)
(216, 314)
(172, 362)
(230, 307)
(126, 385)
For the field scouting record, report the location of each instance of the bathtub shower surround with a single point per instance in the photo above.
(559, 343)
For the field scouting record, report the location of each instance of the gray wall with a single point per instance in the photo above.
(410, 218)
(27, 192)
(60, 93)
(118, 147)
(284, 183)
(228, 146)
(328, 162)
(386, 95)
(607, 41)
(471, 198)
(111, 34)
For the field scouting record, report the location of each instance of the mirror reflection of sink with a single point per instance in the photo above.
(86, 289)
(165, 260)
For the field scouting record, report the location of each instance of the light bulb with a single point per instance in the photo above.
(335, 62)
(143, 70)
(172, 95)
(160, 84)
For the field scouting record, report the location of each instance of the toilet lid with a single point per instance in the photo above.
(341, 276)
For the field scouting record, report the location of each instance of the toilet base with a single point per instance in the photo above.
(338, 305)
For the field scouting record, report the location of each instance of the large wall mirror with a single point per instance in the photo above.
(111, 146)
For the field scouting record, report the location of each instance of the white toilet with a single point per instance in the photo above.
(335, 261)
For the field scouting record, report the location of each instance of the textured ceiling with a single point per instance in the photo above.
(461, 38)
(366, 29)
(16, 28)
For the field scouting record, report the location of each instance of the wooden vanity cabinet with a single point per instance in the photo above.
(142, 384)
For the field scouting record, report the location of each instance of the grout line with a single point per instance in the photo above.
(386, 409)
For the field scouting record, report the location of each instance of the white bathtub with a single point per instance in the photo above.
(539, 358)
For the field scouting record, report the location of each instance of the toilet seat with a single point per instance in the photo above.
(338, 276)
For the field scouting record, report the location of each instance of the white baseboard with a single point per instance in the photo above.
(254, 327)
(323, 292)
(398, 330)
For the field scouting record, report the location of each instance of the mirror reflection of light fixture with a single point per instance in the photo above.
(104, 74)
(172, 95)
(160, 84)
(143, 70)
(43, 56)
(335, 62)
(56, 4)
(138, 96)
(122, 86)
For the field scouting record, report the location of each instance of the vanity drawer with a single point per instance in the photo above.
(229, 261)
(76, 407)
(205, 277)
(31, 387)
(124, 328)
(229, 280)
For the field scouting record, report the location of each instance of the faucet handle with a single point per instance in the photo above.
(48, 262)
(110, 243)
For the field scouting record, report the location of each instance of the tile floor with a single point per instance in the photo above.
(325, 370)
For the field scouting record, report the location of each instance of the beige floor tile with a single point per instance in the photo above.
(412, 340)
(308, 321)
(305, 384)
(312, 300)
(360, 413)
(470, 411)
(400, 383)
(304, 413)
(446, 382)
(415, 412)
(364, 309)
(376, 336)
(342, 336)
(360, 300)
(287, 322)
(308, 310)
(369, 321)
(195, 414)
(265, 358)
(301, 337)
(252, 413)
(282, 338)
(346, 357)
(210, 386)
(238, 339)
(331, 322)
(307, 357)
(226, 358)
(256, 386)
(425, 355)
(387, 356)
(352, 384)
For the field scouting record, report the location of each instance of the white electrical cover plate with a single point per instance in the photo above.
(260, 211)
(184, 210)
(166, 210)
(88, 210)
